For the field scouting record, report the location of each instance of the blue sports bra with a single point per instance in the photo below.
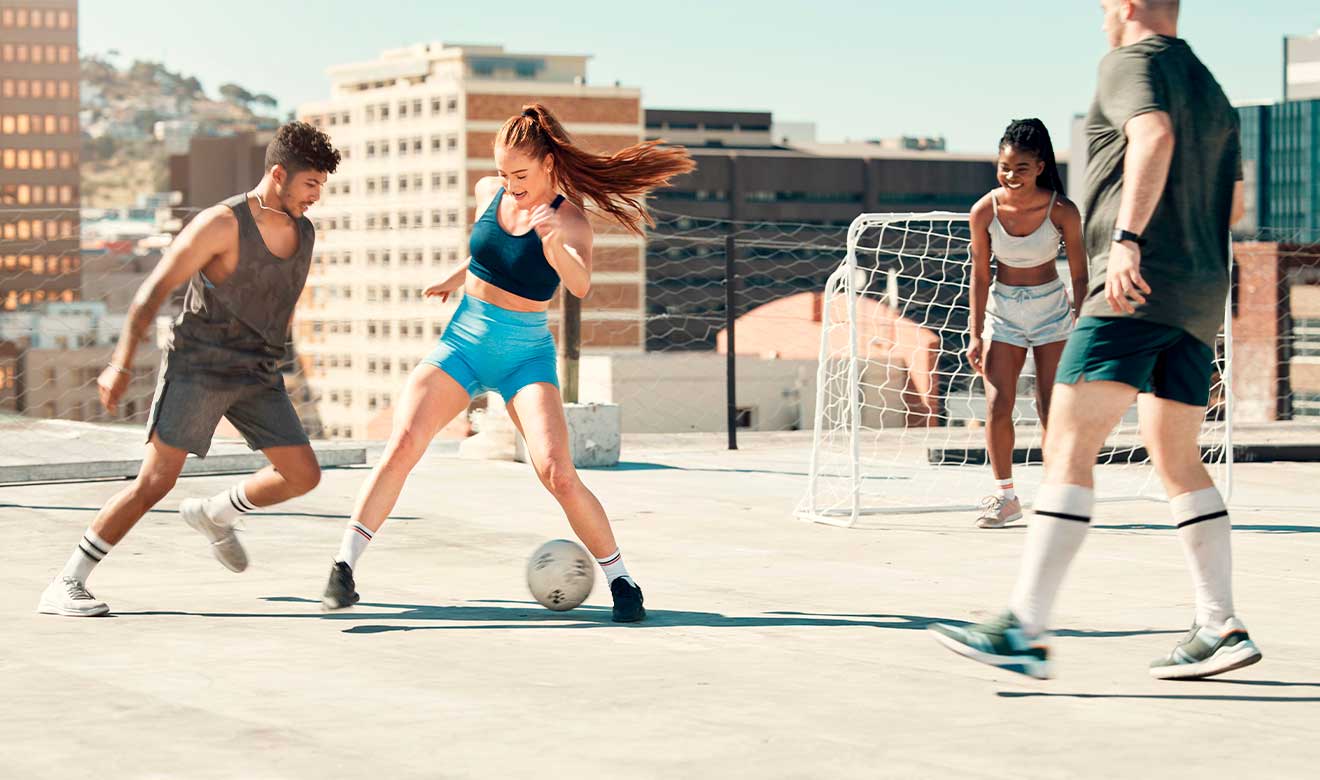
(512, 263)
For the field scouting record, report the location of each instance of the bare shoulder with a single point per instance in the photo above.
(574, 219)
(982, 210)
(1066, 211)
(213, 225)
(486, 187)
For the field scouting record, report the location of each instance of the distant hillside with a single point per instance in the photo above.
(121, 158)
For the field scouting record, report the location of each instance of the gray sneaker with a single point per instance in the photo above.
(997, 512)
(1205, 653)
(224, 541)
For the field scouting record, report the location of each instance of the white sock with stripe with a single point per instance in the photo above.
(1004, 489)
(228, 506)
(1205, 532)
(90, 551)
(613, 567)
(1059, 525)
(354, 542)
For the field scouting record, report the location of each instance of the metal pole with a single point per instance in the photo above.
(730, 318)
(571, 336)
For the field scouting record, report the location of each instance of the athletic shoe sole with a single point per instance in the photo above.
(998, 523)
(327, 605)
(1040, 670)
(46, 608)
(1236, 657)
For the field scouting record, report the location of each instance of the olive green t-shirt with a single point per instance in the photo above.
(1185, 259)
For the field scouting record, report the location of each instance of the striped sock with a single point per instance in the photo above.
(228, 506)
(1062, 518)
(1004, 489)
(90, 551)
(1205, 532)
(353, 544)
(613, 567)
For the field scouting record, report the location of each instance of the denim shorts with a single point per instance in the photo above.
(487, 347)
(1028, 316)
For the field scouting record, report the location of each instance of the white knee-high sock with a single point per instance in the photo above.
(1205, 532)
(90, 551)
(1062, 518)
(354, 542)
(230, 505)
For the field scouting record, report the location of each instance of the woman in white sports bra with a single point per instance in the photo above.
(1020, 298)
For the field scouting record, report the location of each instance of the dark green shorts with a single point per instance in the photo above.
(1154, 358)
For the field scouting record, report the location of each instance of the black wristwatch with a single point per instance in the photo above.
(1121, 235)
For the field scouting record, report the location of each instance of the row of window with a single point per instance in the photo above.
(42, 89)
(406, 257)
(380, 112)
(415, 145)
(40, 229)
(38, 18)
(386, 220)
(37, 54)
(41, 264)
(38, 159)
(38, 124)
(17, 298)
(37, 195)
(374, 294)
(375, 328)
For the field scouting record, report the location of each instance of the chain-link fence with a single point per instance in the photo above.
(66, 281)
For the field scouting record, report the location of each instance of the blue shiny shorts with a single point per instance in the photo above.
(487, 347)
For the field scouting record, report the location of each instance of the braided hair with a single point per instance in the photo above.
(1030, 135)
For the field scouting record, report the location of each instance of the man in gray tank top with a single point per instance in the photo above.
(245, 262)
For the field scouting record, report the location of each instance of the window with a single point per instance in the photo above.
(435, 218)
(417, 146)
(403, 184)
(403, 147)
(417, 107)
(435, 105)
(371, 149)
(451, 143)
(435, 179)
(403, 109)
(371, 113)
(452, 105)
(451, 180)
(384, 111)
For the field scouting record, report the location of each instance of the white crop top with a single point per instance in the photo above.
(1039, 247)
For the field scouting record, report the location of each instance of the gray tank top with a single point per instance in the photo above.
(238, 329)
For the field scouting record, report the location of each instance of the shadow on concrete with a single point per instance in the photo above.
(1240, 527)
(919, 623)
(1183, 696)
(42, 507)
(495, 613)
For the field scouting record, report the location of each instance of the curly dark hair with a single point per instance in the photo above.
(1030, 135)
(300, 147)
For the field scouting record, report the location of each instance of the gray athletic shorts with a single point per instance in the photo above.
(186, 411)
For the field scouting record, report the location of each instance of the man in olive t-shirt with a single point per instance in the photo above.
(1163, 184)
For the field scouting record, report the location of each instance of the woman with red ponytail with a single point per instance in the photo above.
(531, 234)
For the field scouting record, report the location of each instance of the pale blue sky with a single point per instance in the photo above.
(859, 68)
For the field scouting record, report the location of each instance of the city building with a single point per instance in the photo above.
(812, 189)
(1301, 67)
(416, 127)
(39, 144)
(1281, 170)
(51, 356)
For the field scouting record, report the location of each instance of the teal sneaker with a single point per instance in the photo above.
(1204, 653)
(1000, 642)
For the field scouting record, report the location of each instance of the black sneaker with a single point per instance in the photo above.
(627, 601)
(339, 591)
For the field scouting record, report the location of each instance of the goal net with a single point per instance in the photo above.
(899, 413)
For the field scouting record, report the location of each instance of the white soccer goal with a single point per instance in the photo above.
(898, 409)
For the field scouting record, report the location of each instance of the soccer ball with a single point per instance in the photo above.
(560, 575)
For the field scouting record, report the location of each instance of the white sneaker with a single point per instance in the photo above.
(69, 597)
(997, 512)
(224, 541)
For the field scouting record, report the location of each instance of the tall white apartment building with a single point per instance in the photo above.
(416, 127)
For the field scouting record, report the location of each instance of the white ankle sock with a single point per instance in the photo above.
(1205, 532)
(613, 567)
(354, 542)
(90, 551)
(1062, 518)
(1004, 489)
(228, 506)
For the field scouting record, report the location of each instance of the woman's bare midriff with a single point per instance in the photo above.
(483, 290)
(1026, 277)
